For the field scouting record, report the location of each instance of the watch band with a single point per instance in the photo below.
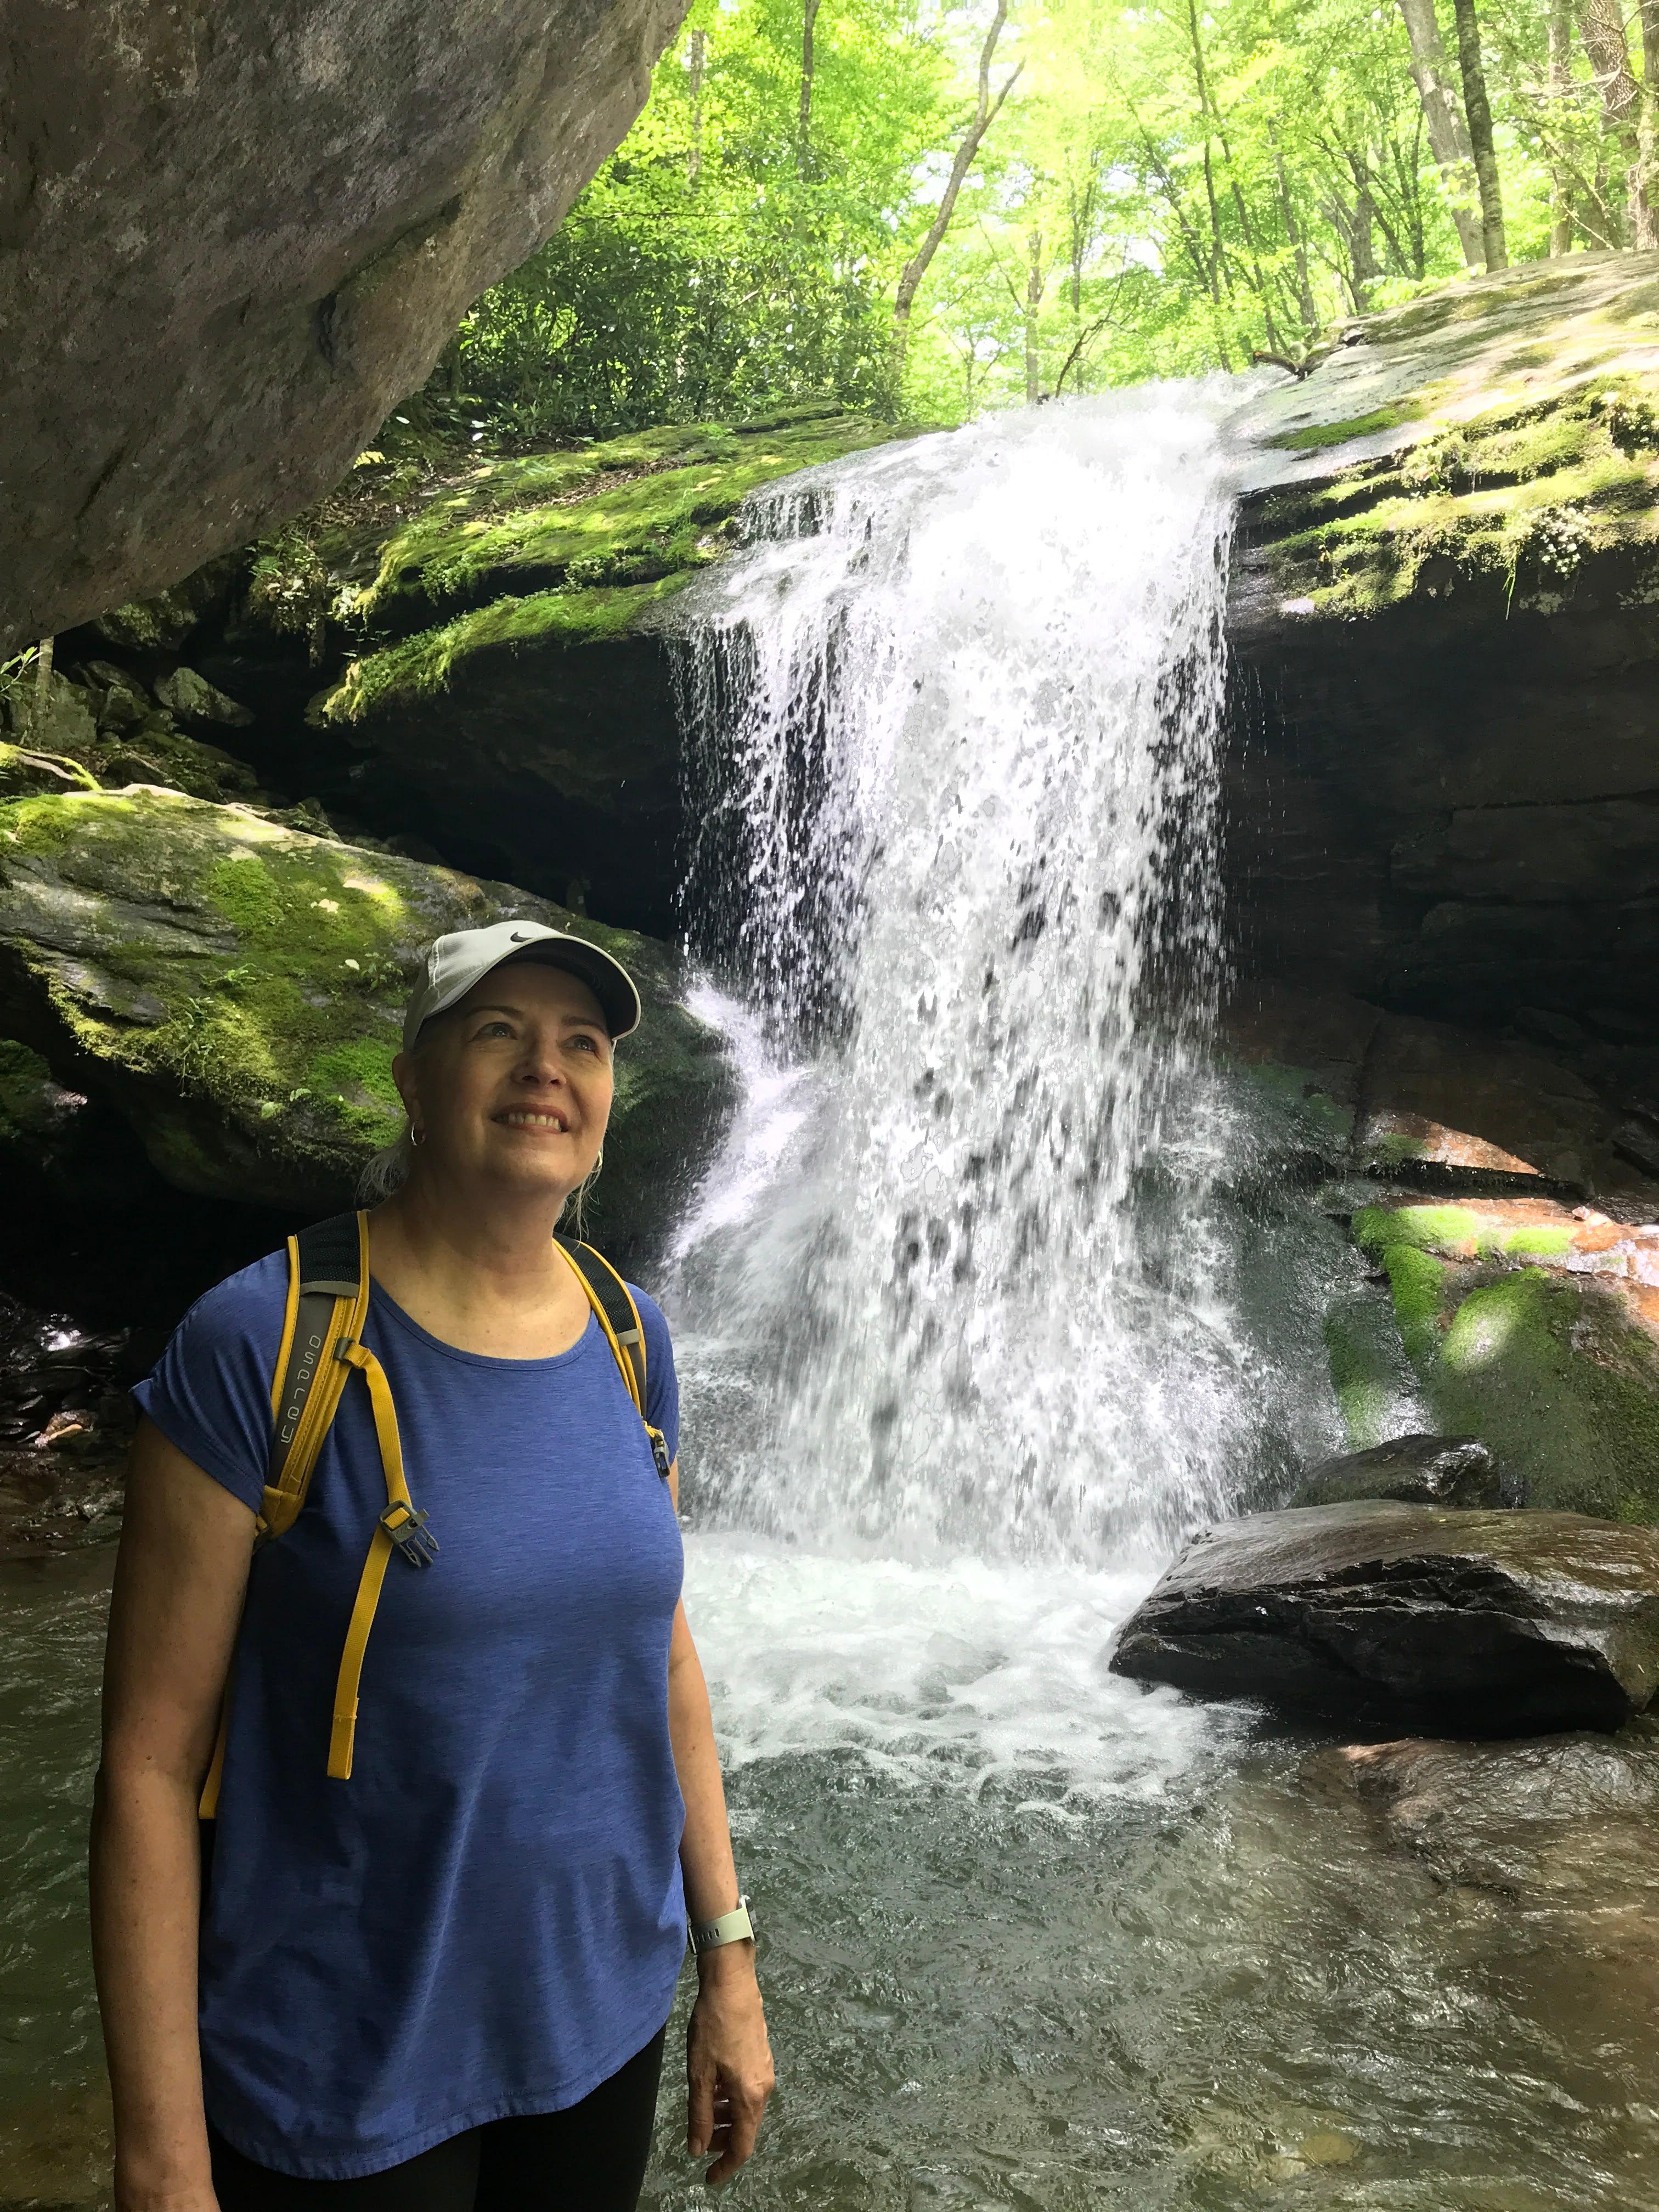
(733, 1927)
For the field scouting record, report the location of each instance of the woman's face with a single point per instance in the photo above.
(513, 1086)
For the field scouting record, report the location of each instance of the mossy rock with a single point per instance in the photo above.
(1556, 1369)
(234, 988)
(1496, 440)
(559, 549)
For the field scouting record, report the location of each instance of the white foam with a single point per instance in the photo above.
(968, 1675)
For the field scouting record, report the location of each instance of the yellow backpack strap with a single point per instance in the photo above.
(619, 1317)
(399, 1529)
(327, 1300)
(328, 1304)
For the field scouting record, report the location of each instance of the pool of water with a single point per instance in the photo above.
(1034, 1938)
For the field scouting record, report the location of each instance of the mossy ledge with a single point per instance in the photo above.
(234, 988)
(1496, 440)
(560, 549)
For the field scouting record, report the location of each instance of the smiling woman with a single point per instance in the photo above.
(432, 1968)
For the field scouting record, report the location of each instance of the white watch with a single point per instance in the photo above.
(733, 1927)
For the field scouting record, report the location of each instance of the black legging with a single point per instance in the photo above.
(589, 2158)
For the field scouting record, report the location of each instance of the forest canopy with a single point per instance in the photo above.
(923, 210)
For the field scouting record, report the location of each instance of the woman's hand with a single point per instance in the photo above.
(728, 2061)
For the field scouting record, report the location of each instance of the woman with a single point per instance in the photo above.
(440, 1983)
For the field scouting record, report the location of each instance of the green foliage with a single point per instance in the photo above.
(723, 263)
(1169, 189)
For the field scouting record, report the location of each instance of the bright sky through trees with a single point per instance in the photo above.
(1139, 190)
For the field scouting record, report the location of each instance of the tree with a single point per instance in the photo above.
(985, 114)
(1447, 135)
(1477, 109)
(1602, 29)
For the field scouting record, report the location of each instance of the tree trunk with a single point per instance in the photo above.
(1647, 194)
(40, 728)
(1477, 109)
(804, 143)
(1602, 27)
(1307, 306)
(1561, 89)
(1034, 286)
(1449, 142)
(696, 61)
(985, 114)
(1362, 250)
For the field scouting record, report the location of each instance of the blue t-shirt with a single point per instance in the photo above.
(487, 1918)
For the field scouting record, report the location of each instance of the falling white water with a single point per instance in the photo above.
(953, 725)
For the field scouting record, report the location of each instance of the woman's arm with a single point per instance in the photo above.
(179, 1580)
(728, 2062)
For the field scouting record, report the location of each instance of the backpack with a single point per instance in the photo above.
(328, 1285)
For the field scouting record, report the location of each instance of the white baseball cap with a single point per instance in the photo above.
(455, 963)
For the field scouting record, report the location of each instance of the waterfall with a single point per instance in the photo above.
(953, 722)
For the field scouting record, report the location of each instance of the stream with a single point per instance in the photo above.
(979, 1309)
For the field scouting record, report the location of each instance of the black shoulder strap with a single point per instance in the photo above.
(611, 1294)
(325, 1265)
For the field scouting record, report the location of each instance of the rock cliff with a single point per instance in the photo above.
(235, 237)
(1445, 610)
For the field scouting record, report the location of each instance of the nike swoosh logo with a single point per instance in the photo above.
(520, 937)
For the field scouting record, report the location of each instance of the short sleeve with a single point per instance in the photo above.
(209, 1392)
(662, 1387)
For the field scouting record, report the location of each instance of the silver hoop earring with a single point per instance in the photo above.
(416, 1138)
(593, 1173)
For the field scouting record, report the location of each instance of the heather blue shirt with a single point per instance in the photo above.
(487, 1918)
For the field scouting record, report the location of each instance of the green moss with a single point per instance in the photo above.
(1563, 1386)
(1539, 1240)
(1418, 1281)
(1426, 1228)
(1318, 435)
(1362, 1373)
(27, 1094)
(422, 665)
(1517, 497)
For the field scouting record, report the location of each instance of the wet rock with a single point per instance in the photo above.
(1411, 826)
(234, 989)
(1383, 1615)
(1458, 1471)
(1534, 1325)
(1567, 1820)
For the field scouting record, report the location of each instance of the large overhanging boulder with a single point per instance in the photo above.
(235, 237)
(233, 987)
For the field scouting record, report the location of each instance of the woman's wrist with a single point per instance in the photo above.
(725, 1963)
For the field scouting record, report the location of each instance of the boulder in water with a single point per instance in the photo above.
(1410, 1470)
(1552, 1823)
(1411, 1616)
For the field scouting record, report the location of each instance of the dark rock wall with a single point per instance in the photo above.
(234, 237)
(1453, 810)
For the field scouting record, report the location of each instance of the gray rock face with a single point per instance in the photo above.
(1412, 1616)
(1412, 1471)
(236, 237)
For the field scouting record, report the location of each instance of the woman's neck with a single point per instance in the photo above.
(483, 1277)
